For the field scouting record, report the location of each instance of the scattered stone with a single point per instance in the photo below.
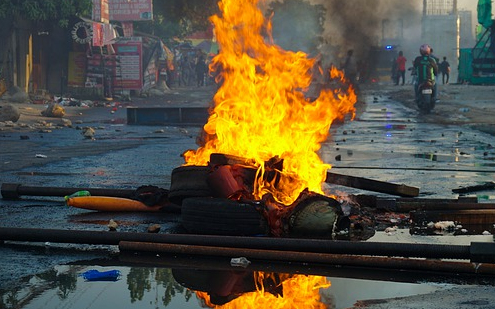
(88, 132)
(155, 228)
(18, 95)
(66, 123)
(9, 112)
(112, 225)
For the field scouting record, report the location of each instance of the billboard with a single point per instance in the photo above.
(124, 10)
(129, 67)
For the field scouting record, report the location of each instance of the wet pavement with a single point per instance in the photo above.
(388, 142)
(393, 143)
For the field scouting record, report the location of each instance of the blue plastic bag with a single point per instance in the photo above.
(96, 275)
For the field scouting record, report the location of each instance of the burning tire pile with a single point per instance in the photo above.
(218, 200)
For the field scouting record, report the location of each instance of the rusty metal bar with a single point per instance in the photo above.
(307, 257)
(471, 217)
(406, 204)
(406, 207)
(271, 243)
(15, 190)
(148, 259)
(412, 169)
(476, 252)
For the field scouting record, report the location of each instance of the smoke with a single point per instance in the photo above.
(360, 24)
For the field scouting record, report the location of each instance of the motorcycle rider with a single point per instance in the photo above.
(426, 69)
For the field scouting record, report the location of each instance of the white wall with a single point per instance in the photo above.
(442, 33)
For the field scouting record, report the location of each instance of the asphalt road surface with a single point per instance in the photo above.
(388, 141)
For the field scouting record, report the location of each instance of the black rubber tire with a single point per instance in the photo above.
(220, 216)
(188, 181)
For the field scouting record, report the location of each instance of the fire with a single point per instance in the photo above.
(260, 110)
(299, 291)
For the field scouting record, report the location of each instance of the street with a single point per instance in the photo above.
(388, 141)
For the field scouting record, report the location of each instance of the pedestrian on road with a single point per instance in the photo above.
(401, 68)
(435, 86)
(201, 70)
(445, 69)
(350, 67)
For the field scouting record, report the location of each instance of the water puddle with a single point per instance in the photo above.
(182, 287)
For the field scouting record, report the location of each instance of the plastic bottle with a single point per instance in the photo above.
(78, 193)
(95, 275)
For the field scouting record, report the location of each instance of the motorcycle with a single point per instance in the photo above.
(425, 99)
(424, 95)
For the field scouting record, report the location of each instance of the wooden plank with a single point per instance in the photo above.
(372, 185)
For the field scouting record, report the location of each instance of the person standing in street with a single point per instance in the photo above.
(201, 70)
(350, 67)
(445, 69)
(437, 61)
(401, 68)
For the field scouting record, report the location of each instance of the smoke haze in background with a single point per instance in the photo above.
(357, 24)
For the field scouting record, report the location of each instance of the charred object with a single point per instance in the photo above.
(219, 199)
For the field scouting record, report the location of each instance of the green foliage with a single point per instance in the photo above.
(45, 10)
(178, 18)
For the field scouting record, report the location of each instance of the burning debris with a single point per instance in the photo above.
(266, 128)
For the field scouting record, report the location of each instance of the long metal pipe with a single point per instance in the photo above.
(307, 257)
(434, 251)
(15, 190)
(149, 259)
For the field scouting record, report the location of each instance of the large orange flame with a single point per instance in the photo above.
(299, 292)
(261, 111)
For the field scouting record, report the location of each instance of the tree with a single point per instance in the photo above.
(178, 18)
(58, 11)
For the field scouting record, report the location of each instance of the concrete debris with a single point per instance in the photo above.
(9, 112)
(391, 230)
(442, 225)
(17, 95)
(112, 225)
(88, 132)
(155, 228)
